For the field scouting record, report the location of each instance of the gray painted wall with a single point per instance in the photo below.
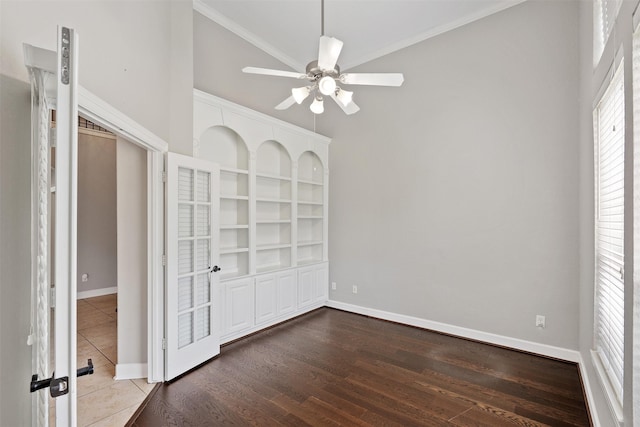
(454, 197)
(132, 253)
(126, 67)
(15, 252)
(455, 200)
(97, 243)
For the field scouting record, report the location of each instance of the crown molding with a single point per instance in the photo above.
(201, 7)
(206, 10)
(467, 19)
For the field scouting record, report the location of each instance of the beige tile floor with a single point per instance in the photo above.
(103, 401)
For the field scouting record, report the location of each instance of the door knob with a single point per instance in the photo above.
(215, 269)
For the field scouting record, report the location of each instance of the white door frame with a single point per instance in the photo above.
(105, 115)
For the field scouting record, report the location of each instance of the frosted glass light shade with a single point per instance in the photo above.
(327, 85)
(345, 97)
(300, 93)
(317, 106)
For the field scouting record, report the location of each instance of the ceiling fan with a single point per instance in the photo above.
(324, 78)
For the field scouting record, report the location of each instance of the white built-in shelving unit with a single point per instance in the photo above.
(273, 214)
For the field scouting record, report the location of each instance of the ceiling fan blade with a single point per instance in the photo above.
(270, 72)
(286, 103)
(328, 52)
(373, 79)
(350, 108)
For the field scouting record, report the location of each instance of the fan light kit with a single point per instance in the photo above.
(324, 78)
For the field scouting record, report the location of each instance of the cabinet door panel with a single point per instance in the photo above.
(239, 309)
(266, 293)
(305, 286)
(287, 292)
(320, 283)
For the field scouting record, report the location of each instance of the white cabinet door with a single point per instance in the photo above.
(192, 254)
(305, 286)
(266, 297)
(287, 292)
(320, 283)
(239, 305)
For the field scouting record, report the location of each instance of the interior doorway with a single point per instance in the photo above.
(112, 274)
(53, 311)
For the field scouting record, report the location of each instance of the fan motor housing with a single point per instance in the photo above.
(315, 73)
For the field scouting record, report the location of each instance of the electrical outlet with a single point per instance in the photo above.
(355, 289)
(333, 286)
(85, 277)
(540, 321)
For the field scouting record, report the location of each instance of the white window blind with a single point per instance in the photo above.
(605, 13)
(609, 232)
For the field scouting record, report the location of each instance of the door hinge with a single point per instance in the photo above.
(164, 260)
(164, 343)
(164, 176)
(52, 297)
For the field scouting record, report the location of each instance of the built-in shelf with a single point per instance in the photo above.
(233, 197)
(307, 261)
(309, 202)
(224, 251)
(234, 226)
(274, 246)
(304, 181)
(234, 170)
(273, 177)
(269, 200)
(273, 221)
(310, 243)
(310, 216)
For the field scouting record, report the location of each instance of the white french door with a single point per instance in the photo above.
(192, 235)
(54, 76)
(66, 223)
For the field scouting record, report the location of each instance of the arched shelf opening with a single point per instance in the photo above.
(311, 209)
(224, 146)
(273, 159)
(310, 168)
(273, 207)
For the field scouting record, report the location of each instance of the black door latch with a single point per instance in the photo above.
(58, 386)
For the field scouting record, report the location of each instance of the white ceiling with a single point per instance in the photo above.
(289, 29)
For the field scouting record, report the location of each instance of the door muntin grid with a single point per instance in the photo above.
(194, 256)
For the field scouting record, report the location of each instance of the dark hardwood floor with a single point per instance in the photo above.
(341, 369)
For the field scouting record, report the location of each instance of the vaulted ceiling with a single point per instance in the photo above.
(289, 29)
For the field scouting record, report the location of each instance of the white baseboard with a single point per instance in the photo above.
(130, 371)
(515, 343)
(97, 292)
